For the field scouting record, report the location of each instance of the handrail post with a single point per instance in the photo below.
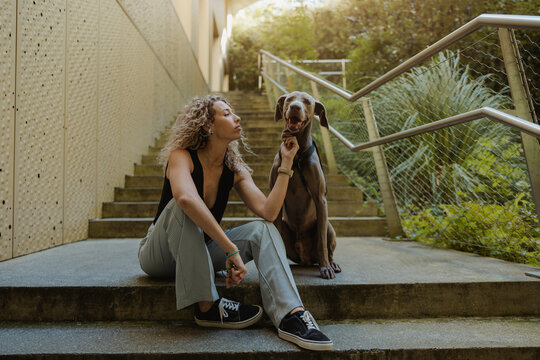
(275, 89)
(289, 79)
(520, 96)
(387, 192)
(343, 76)
(259, 78)
(327, 144)
(268, 86)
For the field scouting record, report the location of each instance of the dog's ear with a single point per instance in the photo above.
(320, 110)
(279, 108)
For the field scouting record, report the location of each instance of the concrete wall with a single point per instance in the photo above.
(205, 24)
(85, 88)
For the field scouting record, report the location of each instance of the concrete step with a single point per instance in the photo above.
(454, 338)
(259, 159)
(149, 159)
(262, 150)
(263, 125)
(147, 170)
(156, 181)
(153, 150)
(258, 167)
(258, 146)
(259, 107)
(254, 145)
(257, 130)
(152, 181)
(249, 158)
(234, 209)
(271, 136)
(101, 280)
(335, 193)
(251, 113)
(261, 121)
(146, 209)
(137, 227)
(154, 194)
(335, 209)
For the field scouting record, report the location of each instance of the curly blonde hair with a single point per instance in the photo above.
(190, 132)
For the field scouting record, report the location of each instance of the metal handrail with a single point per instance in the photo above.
(518, 89)
(485, 112)
(508, 21)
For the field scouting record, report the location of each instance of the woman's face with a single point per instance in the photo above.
(226, 124)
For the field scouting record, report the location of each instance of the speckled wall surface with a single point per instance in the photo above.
(39, 145)
(81, 113)
(136, 97)
(85, 91)
(169, 42)
(109, 122)
(8, 19)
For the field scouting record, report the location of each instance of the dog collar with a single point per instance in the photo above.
(298, 162)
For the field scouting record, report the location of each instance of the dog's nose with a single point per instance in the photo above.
(295, 107)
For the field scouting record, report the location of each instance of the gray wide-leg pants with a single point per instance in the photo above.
(175, 246)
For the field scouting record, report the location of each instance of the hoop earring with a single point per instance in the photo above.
(210, 132)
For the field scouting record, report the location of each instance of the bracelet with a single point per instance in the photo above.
(227, 255)
(284, 170)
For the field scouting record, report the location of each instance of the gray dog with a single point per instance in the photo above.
(303, 221)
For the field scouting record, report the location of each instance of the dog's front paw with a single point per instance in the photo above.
(327, 272)
(336, 267)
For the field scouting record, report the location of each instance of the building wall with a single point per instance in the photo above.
(206, 29)
(86, 87)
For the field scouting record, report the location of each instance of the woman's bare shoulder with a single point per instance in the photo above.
(180, 158)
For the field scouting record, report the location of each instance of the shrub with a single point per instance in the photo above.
(490, 230)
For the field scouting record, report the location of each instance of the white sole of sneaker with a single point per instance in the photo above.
(231, 325)
(306, 344)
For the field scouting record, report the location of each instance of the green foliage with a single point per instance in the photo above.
(497, 171)
(376, 34)
(386, 33)
(433, 167)
(243, 53)
(464, 187)
(432, 164)
(489, 230)
(295, 34)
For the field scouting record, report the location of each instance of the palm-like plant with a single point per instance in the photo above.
(429, 168)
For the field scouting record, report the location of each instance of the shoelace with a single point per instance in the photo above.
(227, 304)
(309, 320)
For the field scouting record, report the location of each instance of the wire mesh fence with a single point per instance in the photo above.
(465, 186)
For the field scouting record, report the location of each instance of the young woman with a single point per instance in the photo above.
(186, 241)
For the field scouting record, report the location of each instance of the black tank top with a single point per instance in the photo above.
(226, 182)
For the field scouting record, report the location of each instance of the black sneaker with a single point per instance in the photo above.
(301, 329)
(228, 314)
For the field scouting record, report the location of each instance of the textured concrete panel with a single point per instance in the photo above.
(39, 125)
(112, 37)
(81, 119)
(136, 97)
(8, 28)
(168, 101)
(160, 27)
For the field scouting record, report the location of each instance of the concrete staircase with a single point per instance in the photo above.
(135, 205)
(394, 300)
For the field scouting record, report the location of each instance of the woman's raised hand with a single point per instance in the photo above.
(236, 270)
(290, 147)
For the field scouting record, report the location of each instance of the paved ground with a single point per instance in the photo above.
(364, 261)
